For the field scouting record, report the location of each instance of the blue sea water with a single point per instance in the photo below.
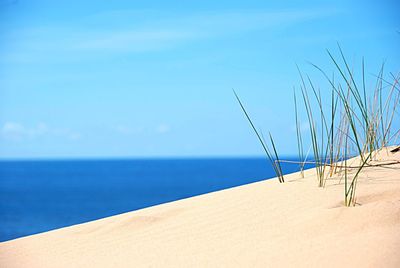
(38, 196)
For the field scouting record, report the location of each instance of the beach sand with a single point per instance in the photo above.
(263, 224)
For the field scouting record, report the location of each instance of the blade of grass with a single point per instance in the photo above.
(263, 144)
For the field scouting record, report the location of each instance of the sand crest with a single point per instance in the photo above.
(264, 224)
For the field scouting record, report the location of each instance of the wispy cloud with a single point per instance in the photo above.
(14, 131)
(133, 41)
(123, 32)
(127, 130)
(160, 33)
(163, 128)
(303, 126)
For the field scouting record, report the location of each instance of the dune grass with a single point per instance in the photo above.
(300, 148)
(272, 157)
(352, 123)
(363, 127)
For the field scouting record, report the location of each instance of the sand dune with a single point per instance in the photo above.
(264, 224)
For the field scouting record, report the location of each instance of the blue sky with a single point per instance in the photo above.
(155, 78)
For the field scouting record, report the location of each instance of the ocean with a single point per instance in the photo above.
(38, 196)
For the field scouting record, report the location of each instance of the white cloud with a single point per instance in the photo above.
(127, 130)
(304, 127)
(14, 131)
(130, 130)
(74, 136)
(163, 128)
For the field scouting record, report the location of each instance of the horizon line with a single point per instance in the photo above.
(105, 158)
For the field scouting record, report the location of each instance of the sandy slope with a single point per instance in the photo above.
(263, 224)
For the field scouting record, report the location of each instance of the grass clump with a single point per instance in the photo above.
(358, 124)
(352, 121)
